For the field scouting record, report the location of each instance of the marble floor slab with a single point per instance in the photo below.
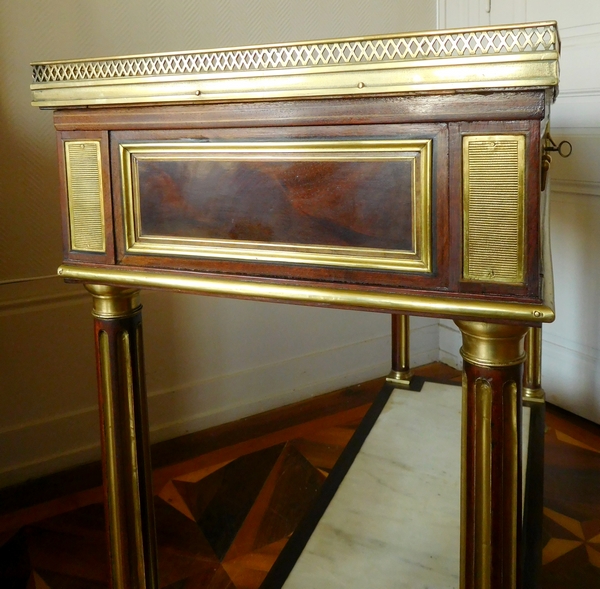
(394, 522)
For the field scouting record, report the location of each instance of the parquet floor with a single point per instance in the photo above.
(571, 556)
(223, 514)
(228, 500)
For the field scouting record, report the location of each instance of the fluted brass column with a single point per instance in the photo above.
(491, 490)
(124, 430)
(532, 381)
(400, 375)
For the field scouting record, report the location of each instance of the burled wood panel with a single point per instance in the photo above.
(329, 203)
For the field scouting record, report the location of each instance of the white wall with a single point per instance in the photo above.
(571, 345)
(208, 360)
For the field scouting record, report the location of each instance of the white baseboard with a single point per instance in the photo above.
(571, 378)
(38, 447)
(234, 396)
(450, 341)
(424, 341)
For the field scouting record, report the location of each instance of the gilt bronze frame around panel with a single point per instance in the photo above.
(283, 164)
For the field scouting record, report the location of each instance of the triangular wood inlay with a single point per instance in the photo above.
(197, 475)
(593, 555)
(38, 582)
(240, 483)
(570, 524)
(171, 495)
(557, 548)
(591, 530)
(569, 440)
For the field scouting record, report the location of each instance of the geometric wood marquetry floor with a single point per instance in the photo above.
(228, 500)
(219, 527)
(222, 517)
(571, 555)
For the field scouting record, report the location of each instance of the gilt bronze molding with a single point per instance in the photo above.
(482, 57)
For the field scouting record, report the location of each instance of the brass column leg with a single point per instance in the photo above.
(532, 382)
(401, 375)
(491, 476)
(124, 430)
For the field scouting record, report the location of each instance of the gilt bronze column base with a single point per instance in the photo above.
(400, 380)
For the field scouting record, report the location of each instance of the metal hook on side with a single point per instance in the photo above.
(564, 148)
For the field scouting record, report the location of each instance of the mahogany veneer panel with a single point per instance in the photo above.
(107, 257)
(439, 107)
(363, 204)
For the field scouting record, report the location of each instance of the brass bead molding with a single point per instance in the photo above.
(112, 302)
(492, 344)
(522, 55)
(399, 379)
(435, 305)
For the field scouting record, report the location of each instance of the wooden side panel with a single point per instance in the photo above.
(353, 204)
(525, 251)
(86, 197)
(338, 220)
(328, 203)
(408, 109)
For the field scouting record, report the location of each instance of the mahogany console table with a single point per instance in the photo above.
(399, 174)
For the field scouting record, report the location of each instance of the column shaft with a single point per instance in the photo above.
(491, 474)
(532, 382)
(400, 375)
(125, 444)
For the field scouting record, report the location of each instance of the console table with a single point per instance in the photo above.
(400, 174)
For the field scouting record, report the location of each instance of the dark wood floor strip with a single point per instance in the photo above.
(289, 555)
